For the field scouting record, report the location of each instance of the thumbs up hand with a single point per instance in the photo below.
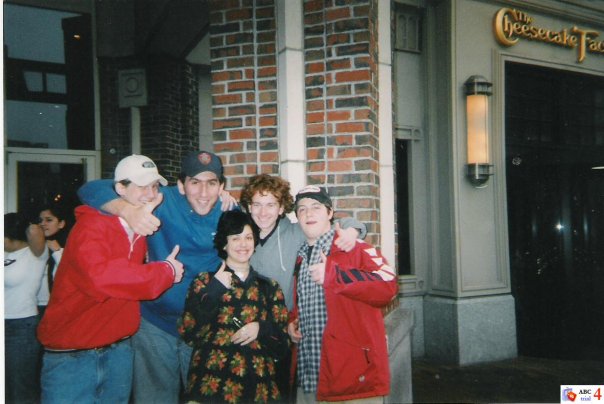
(154, 203)
(317, 271)
(141, 219)
(176, 264)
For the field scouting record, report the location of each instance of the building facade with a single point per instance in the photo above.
(370, 99)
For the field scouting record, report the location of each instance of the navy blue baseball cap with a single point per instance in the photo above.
(198, 162)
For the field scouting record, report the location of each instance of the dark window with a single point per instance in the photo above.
(42, 183)
(402, 207)
(49, 97)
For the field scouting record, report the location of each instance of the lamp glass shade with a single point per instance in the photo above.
(478, 128)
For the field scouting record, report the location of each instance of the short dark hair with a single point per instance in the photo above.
(15, 226)
(233, 222)
(124, 182)
(182, 177)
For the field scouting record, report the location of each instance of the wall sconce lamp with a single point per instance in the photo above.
(478, 90)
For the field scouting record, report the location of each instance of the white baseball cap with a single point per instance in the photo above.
(141, 170)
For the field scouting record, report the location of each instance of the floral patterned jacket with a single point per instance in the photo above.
(220, 370)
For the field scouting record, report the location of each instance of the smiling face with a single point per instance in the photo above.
(201, 191)
(240, 247)
(136, 194)
(50, 223)
(265, 210)
(314, 218)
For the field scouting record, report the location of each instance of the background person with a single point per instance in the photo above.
(94, 306)
(55, 223)
(188, 216)
(25, 256)
(337, 319)
(236, 321)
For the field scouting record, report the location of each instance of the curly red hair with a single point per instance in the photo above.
(268, 184)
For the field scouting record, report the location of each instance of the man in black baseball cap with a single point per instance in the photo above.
(334, 289)
(314, 192)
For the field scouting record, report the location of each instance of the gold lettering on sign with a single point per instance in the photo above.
(510, 25)
(586, 40)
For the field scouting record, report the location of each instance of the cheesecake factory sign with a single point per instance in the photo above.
(511, 25)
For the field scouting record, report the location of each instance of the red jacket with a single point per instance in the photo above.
(354, 352)
(99, 282)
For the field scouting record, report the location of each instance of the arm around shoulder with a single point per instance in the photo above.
(97, 193)
(347, 222)
(100, 195)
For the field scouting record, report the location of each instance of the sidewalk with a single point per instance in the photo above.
(521, 380)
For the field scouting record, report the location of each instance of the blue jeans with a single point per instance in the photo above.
(101, 375)
(161, 365)
(21, 365)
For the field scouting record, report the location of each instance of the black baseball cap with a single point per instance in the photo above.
(314, 192)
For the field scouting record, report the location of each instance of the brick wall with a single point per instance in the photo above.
(169, 122)
(341, 104)
(341, 97)
(341, 101)
(244, 87)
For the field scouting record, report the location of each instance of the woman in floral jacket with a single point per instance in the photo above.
(236, 321)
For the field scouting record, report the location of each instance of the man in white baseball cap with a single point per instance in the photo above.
(138, 169)
(94, 306)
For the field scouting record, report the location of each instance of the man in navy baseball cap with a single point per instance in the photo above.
(198, 162)
(201, 180)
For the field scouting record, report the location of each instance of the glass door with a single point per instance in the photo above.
(36, 179)
(555, 193)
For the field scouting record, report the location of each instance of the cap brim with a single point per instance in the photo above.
(317, 197)
(149, 178)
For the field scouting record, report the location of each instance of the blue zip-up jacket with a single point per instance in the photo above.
(179, 225)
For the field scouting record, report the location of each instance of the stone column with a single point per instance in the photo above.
(469, 313)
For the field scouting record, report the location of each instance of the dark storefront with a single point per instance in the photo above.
(555, 184)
